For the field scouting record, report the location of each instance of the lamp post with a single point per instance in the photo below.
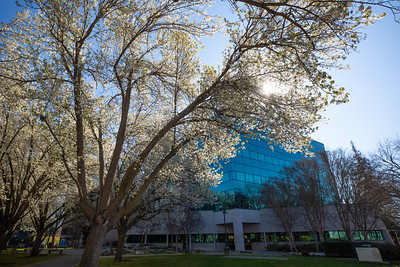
(226, 249)
(94, 196)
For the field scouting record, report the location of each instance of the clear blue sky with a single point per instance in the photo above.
(373, 112)
(373, 82)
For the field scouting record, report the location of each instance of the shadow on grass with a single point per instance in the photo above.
(11, 260)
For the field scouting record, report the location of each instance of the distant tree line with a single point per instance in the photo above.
(361, 191)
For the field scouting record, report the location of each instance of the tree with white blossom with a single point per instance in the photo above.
(185, 182)
(29, 160)
(52, 209)
(125, 74)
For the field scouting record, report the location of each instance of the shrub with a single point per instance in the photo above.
(388, 252)
(343, 249)
(310, 247)
(278, 247)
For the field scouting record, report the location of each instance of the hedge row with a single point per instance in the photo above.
(343, 249)
(389, 252)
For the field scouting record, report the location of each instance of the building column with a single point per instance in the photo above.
(238, 234)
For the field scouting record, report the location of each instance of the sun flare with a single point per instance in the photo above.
(273, 88)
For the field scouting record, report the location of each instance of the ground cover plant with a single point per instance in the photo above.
(216, 261)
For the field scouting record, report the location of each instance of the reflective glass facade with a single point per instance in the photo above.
(256, 164)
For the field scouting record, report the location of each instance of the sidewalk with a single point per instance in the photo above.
(72, 257)
(264, 253)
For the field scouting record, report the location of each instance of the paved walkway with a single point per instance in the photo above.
(72, 257)
(258, 257)
(270, 255)
(255, 252)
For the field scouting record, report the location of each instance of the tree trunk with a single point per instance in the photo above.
(321, 237)
(316, 241)
(4, 238)
(120, 245)
(53, 239)
(91, 254)
(349, 235)
(36, 245)
(365, 234)
(48, 241)
(291, 242)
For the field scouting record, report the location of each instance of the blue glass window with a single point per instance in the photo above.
(253, 155)
(249, 177)
(240, 176)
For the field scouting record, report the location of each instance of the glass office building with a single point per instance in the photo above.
(254, 165)
(249, 225)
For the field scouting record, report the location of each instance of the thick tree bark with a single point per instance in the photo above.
(91, 254)
(36, 245)
(8, 224)
(120, 244)
(4, 238)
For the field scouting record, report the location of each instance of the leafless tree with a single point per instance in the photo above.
(370, 194)
(339, 173)
(387, 157)
(173, 221)
(358, 192)
(280, 195)
(146, 227)
(311, 188)
(191, 222)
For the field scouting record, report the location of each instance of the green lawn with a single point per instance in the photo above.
(211, 261)
(24, 259)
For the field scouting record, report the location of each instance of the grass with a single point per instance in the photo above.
(10, 260)
(221, 261)
(198, 261)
